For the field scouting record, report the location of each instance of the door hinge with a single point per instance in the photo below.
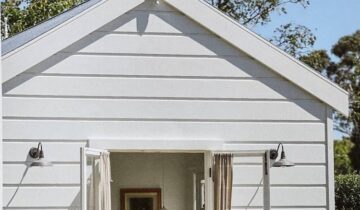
(210, 172)
(266, 164)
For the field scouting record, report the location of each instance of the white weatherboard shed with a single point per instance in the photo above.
(164, 81)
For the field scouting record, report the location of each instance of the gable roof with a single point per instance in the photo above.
(75, 28)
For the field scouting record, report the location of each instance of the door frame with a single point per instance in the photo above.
(206, 146)
(84, 152)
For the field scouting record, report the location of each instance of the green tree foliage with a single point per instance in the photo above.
(345, 71)
(293, 39)
(23, 14)
(317, 59)
(343, 163)
(347, 192)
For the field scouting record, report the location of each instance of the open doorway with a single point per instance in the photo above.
(178, 176)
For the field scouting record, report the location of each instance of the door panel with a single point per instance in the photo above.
(90, 177)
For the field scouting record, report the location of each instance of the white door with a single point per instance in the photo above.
(90, 177)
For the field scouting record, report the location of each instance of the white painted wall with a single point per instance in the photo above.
(144, 170)
(154, 74)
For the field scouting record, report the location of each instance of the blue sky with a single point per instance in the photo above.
(328, 19)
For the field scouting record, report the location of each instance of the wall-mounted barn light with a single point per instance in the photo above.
(283, 162)
(37, 154)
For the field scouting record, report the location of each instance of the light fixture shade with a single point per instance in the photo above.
(38, 158)
(40, 162)
(283, 162)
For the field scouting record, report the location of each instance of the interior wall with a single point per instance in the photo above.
(144, 170)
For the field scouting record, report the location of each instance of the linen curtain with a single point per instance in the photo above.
(104, 198)
(223, 179)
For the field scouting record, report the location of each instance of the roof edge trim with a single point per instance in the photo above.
(16, 41)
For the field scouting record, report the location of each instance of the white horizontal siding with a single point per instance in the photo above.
(20, 173)
(155, 74)
(237, 131)
(105, 65)
(266, 88)
(163, 109)
(194, 44)
(280, 196)
(252, 175)
(41, 196)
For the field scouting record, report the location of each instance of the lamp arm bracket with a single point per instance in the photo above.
(275, 153)
(34, 152)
